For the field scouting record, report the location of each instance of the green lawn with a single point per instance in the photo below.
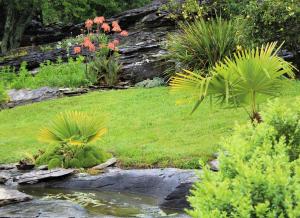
(146, 128)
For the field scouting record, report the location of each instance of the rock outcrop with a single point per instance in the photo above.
(27, 96)
(169, 186)
(140, 52)
(11, 196)
(43, 175)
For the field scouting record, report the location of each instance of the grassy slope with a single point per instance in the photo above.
(146, 129)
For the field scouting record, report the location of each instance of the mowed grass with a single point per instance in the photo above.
(146, 128)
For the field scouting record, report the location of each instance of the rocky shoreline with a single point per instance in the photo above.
(169, 186)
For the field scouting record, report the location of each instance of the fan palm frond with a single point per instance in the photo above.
(242, 80)
(75, 128)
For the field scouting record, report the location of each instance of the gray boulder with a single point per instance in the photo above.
(43, 175)
(39, 208)
(10, 196)
(170, 186)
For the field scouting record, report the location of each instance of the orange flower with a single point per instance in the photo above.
(92, 47)
(115, 23)
(111, 46)
(77, 50)
(116, 42)
(87, 42)
(99, 20)
(89, 24)
(117, 28)
(124, 33)
(105, 27)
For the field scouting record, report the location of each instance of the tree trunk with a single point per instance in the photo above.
(15, 23)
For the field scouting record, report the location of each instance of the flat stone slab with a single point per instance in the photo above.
(108, 163)
(43, 175)
(10, 196)
(170, 186)
(7, 166)
(39, 208)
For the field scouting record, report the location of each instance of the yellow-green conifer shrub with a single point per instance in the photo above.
(259, 170)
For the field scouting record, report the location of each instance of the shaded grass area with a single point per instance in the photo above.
(146, 129)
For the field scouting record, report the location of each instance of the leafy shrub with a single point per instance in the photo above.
(285, 121)
(24, 79)
(258, 177)
(73, 128)
(71, 75)
(246, 80)
(151, 83)
(73, 157)
(264, 21)
(201, 44)
(187, 10)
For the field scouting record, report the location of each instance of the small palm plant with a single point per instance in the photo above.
(73, 128)
(245, 80)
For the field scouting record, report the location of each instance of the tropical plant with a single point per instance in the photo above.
(107, 67)
(200, 44)
(246, 80)
(257, 176)
(73, 128)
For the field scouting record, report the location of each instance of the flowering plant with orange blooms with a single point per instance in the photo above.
(98, 47)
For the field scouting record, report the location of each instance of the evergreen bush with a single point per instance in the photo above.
(259, 170)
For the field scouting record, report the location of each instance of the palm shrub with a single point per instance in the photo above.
(200, 44)
(258, 177)
(71, 132)
(73, 128)
(246, 80)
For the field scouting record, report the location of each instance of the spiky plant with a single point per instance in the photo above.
(245, 80)
(200, 44)
(73, 128)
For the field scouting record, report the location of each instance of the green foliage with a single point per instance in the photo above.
(257, 177)
(187, 10)
(201, 44)
(107, 67)
(266, 21)
(73, 128)
(285, 122)
(246, 80)
(72, 157)
(3, 95)
(70, 75)
(74, 11)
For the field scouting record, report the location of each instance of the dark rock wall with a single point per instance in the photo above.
(140, 52)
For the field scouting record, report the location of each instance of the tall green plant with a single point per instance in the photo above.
(247, 79)
(200, 44)
(106, 67)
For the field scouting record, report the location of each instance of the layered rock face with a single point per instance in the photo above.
(140, 52)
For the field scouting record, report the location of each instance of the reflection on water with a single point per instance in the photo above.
(111, 204)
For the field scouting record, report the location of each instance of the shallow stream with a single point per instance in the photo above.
(83, 203)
